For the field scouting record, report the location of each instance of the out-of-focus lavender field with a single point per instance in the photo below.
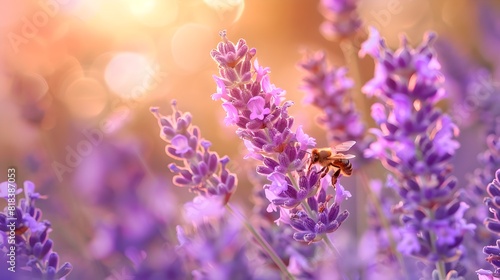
(107, 177)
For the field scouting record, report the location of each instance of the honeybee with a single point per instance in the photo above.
(332, 158)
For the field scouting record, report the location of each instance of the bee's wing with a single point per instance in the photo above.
(342, 156)
(342, 147)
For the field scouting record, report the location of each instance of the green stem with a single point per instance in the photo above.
(441, 269)
(332, 247)
(263, 243)
(440, 265)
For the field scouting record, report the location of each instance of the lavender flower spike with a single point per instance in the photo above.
(416, 142)
(493, 225)
(34, 255)
(328, 88)
(203, 172)
(488, 163)
(256, 107)
(211, 246)
(216, 250)
(341, 18)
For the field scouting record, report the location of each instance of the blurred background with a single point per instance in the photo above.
(77, 79)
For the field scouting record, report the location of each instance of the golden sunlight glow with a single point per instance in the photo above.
(129, 74)
(154, 13)
(227, 8)
(9, 16)
(141, 7)
(86, 10)
(189, 46)
(39, 84)
(85, 98)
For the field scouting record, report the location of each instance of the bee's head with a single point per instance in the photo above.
(315, 155)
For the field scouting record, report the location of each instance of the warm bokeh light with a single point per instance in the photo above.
(154, 13)
(85, 98)
(37, 84)
(85, 10)
(10, 16)
(78, 79)
(227, 9)
(189, 45)
(128, 74)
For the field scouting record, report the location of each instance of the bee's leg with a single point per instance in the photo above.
(335, 176)
(323, 171)
(310, 165)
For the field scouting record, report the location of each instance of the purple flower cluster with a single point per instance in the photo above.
(34, 257)
(255, 106)
(475, 91)
(204, 173)
(298, 256)
(489, 162)
(476, 104)
(215, 250)
(328, 88)
(133, 206)
(493, 225)
(489, 29)
(481, 100)
(416, 142)
(323, 217)
(377, 245)
(211, 245)
(163, 266)
(341, 18)
(304, 261)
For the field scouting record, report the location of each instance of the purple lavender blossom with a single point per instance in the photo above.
(476, 105)
(301, 258)
(138, 206)
(489, 24)
(288, 250)
(255, 106)
(493, 225)
(165, 265)
(158, 262)
(341, 18)
(475, 92)
(416, 142)
(203, 172)
(34, 255)
(488, 162)
(211, 245)
(215, 250)
(112, 173)
(376, 250)
(304, 261)
(328, 88)
(325, 218)
(483, 274)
